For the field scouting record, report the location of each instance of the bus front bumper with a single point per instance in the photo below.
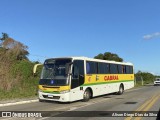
(54, 97)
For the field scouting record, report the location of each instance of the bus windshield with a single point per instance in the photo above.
(55, 71)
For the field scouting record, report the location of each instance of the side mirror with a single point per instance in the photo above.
(35, 68)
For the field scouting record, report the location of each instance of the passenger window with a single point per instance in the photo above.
(120, 70)
(123, 69)
(78, 68)
(113, 69)
(103, 68)
(129, 69)
(91, 67)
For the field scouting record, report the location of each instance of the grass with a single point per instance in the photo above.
(139, 83)
(27, 90)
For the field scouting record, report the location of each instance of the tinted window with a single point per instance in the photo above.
(103, 68)
(78, 73)
(120, 70)
(113, 69)
(123, 69)
(91, 67)
(129, 69)
(78, 67)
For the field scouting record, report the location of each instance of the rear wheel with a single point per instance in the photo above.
(121, 90)
(86, 95)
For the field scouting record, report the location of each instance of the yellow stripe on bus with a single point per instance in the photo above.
(54, 88)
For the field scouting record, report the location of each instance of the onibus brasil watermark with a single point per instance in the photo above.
(37, 114)
(21, 114)
(134, 114)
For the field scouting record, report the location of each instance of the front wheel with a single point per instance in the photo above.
(86, 95)
(40, 100)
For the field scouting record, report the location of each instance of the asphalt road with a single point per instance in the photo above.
(111, 107)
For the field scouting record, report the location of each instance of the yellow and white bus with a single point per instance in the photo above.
(80, 78)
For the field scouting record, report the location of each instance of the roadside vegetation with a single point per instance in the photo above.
(144, 78)
(16, 78)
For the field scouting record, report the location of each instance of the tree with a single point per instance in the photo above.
(4, 37)
(147, 77)
(15, 65)
(13, 48)
(109, 56)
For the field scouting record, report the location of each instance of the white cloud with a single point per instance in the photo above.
(151, 36)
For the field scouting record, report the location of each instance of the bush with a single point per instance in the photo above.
(21, 82)
(147, 77)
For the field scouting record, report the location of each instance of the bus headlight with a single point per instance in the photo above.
(65, 91)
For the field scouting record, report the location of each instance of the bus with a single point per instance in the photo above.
(70, 79)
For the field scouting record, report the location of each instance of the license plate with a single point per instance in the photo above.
(50, 96)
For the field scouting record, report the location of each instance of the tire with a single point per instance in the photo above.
(121, 90)
(86, 95)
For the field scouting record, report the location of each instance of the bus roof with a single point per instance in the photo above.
(93, 59)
